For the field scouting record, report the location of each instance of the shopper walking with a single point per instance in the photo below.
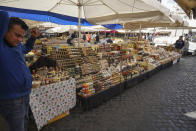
(179, 44)
(97, 38)
(88, 37)
(186, 45)
(15, 77)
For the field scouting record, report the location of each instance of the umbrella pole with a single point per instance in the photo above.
(176, 32)
(125, 30)
(153, 34)
(79, 17)
(182, 31)
(140, 31)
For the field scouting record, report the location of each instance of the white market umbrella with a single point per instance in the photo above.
(96, 11)
(47, 24)
(98, 28)
(58, 30)
(66, 28)
(121, 31)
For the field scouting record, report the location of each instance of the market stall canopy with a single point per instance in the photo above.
(179, 22)
(98, 28)
(42, 24)
(32, 23)
(179, 28)
(123, 31)
(56, 28)
(59, 29)
(161, 21)
(122, 11)
(187, 6)
(109, 31)
(146, 30)
(138, 25)
(113, 26)
(67, 28)
(38, 15)
(94, 11)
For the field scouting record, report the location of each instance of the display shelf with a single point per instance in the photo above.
(89, 102)
(137, 79)
(107, 66)
(168, 64)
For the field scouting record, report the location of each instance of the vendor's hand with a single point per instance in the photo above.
(35, 32)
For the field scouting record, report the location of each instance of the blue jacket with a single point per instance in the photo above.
(179, 44)
(15, 77)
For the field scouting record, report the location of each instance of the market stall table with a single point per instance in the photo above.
(51, 102)
(89, 102)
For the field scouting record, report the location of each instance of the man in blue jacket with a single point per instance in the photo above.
(179, 44)
(15, 77)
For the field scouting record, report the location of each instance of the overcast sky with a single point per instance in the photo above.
(168, 3)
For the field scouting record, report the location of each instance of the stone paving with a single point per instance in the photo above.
(156, 104)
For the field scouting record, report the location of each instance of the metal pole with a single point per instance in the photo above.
(153, 35)
(125, 30)
(125, 34)
(79, 26)
(182, 31)
(140, 31)
(176, 32)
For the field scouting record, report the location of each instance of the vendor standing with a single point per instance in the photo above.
(179, 44)
(15, 77)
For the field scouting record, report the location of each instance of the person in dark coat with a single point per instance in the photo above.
(179, 44)
(97, 38)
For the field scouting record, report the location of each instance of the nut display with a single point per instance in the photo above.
(98, 69)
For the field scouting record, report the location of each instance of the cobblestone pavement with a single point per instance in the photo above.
(156, 104)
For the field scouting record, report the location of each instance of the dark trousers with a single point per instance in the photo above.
(15, 112)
